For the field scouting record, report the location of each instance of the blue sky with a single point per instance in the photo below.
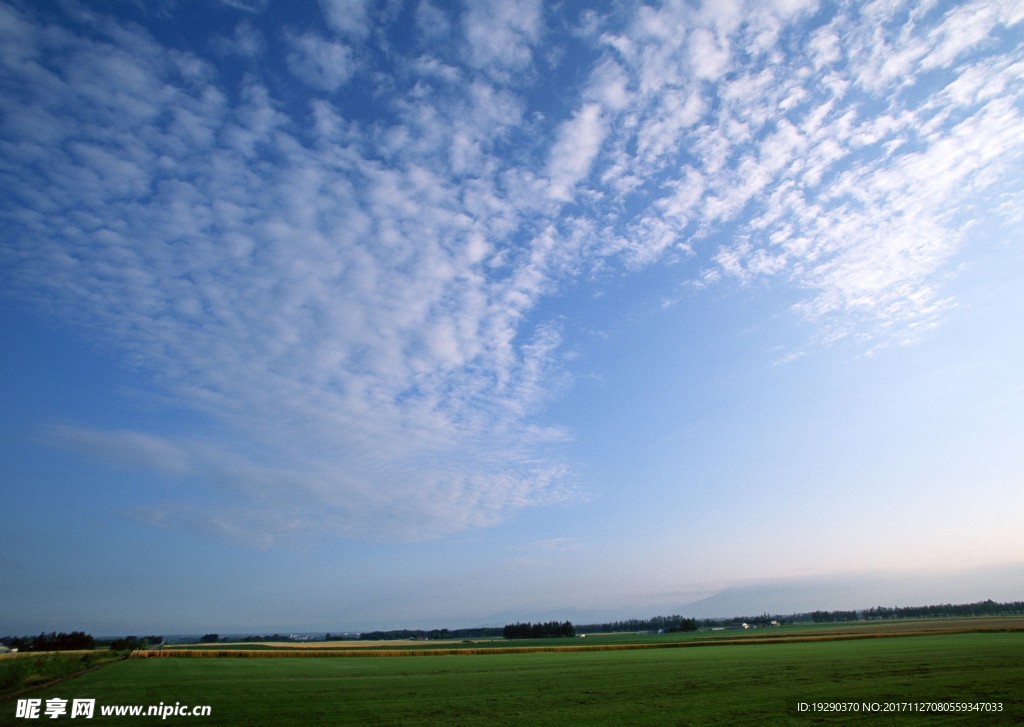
(384, 314)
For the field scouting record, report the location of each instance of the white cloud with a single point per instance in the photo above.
(347, 17)
(577, 145)
(788, 8)
(432, 21)
(608, 86)
(709, 57)
(501, 34)
(247, 42)
(323, 64)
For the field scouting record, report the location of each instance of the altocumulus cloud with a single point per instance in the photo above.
(352, 296)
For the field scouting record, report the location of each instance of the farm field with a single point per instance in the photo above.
(749, 683)
(797, 632)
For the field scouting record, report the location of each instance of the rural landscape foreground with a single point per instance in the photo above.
(913, 671)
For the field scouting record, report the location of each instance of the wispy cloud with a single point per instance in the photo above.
(577, 145)
(124, 447)
(351, 300)
(347, 17)
(249, 6)
(322, 63)
(500, 36)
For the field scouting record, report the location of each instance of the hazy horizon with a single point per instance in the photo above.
(777, 598)
(401, 311)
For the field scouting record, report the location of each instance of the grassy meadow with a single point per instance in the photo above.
(19, 672)
(749, 682)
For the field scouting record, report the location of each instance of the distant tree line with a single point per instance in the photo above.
(53, 641)
(819, 617)
(411, 634)
(549, 630)
(255, 639)
(131, 643)
(764, 619)
(668, 624)
(982, 608)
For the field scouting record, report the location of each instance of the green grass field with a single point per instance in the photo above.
(18, 673)
(723, 684)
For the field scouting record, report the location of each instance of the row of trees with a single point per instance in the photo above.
(549, 630)
(53, 641)
(257, 638)
(820, 617)
(482, 632)
(668, 624)
(131, 643)
(981, 608)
